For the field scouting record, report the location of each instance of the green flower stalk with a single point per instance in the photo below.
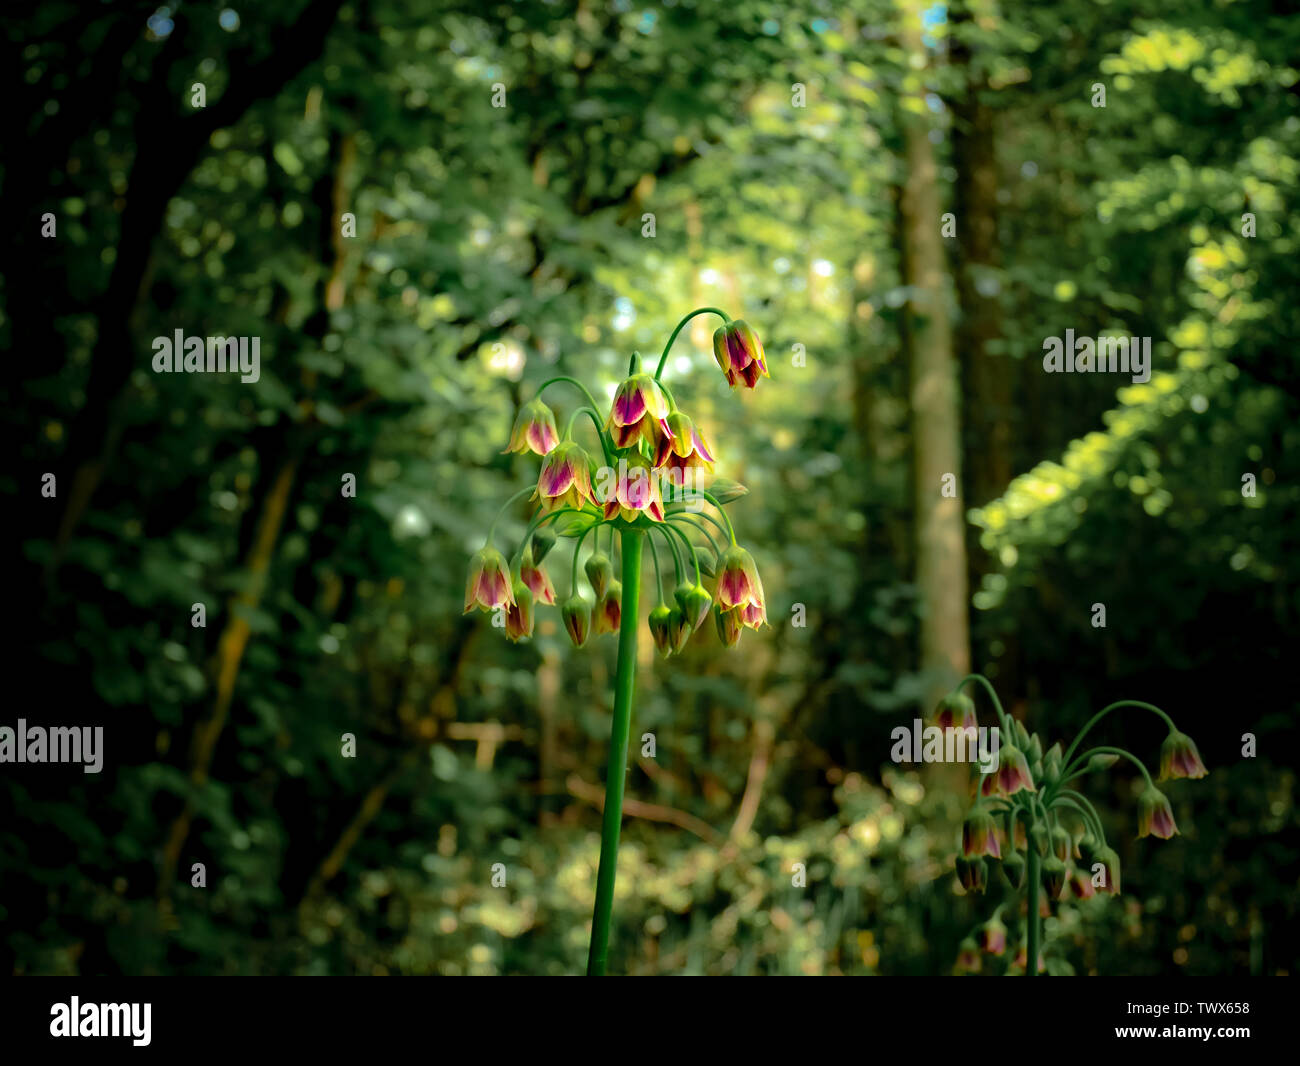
(1048, 836)
(655, 461)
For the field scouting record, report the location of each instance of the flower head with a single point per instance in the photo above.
(640, 412)
(739, 353)
(1155, 816)
(565, 478)
(534, 429)
(519, 615)
(956, 711)
(576, 615)
(634, 492)
(489, 581)
(1179, 758)
(686, 449)
(1013, 772)
(535, 578)
(979, 834)
(739, 584)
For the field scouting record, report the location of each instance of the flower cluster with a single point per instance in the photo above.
(652, 475)
(1045, 836)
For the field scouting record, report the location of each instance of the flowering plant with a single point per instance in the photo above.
(1028, 819)
(656, 479)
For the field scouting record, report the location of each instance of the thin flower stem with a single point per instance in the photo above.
(616, 774)
(731, 530)
(504, 508)
(1105, 711)
(573, 570)
(690, 521)
(591, 400)
(669, 346)
(1083, 759)
(695, 556)
(1080, 798)
(538, 520)
(659, 579)
(708, 518)
(595, 421)
(672, 547)
(1003, 717)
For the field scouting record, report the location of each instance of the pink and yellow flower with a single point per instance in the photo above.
(1155, 816)
(739, 353)
(633, 492)
(565, 478)
(489, 581)
(686, 449)
(609, 611)
(1179, 758)
(534, 430)
(639, 412)
(535, 578)
(728, 623)
(519, 615)
(956, 711)
(1013, 772)
(979, 835)
(740, 586)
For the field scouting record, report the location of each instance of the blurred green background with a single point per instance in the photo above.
(495, 246)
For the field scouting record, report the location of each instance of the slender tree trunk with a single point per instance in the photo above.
(940, 522)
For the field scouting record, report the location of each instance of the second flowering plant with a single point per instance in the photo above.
(649, 474)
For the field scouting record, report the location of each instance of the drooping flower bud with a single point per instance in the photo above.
(739, 353)
(536, 579)
(695, 601)
(543, 540)
(956, 711)
(1039, 838)
(658, 622)
(1179, 758)
(639, 412)
(1013, 865)
(600, 572)
(1080, 883)
(724, 490)
(609, 611)
(992, 936)
(1060, 843)
(1102, 761)
(576, 614)
(1052, 764)
(972, 873)
(489, 581)
(1155, 816)
(979, 834)
(1054, 874)
(534, 429)
(679, 630)
(1013, 772)
(728, 623)
(968, 957)
(565, 478)
(519, 616)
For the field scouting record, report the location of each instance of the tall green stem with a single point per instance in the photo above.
(616, 774)
(659, 370)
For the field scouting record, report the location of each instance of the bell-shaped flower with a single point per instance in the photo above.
(639, 412)
(956, 711)
(695, 601)
(633, 492)
(1054, 874)
(1108, 875)
(728, 623)
(534, 429)
(968, 957)
(979, 834)
(686, 449)
(519, 615)
(543, 540)
(1080, 883)
(1155, 816)
(536, 579)
(1013, 772)
(1179, 758)
(609, 611)
(1061, 843)
(565, 478)
(658, 622)
(489, 581)
(1013, 865)
(739, 584)
(576, 614)
(739, 353)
